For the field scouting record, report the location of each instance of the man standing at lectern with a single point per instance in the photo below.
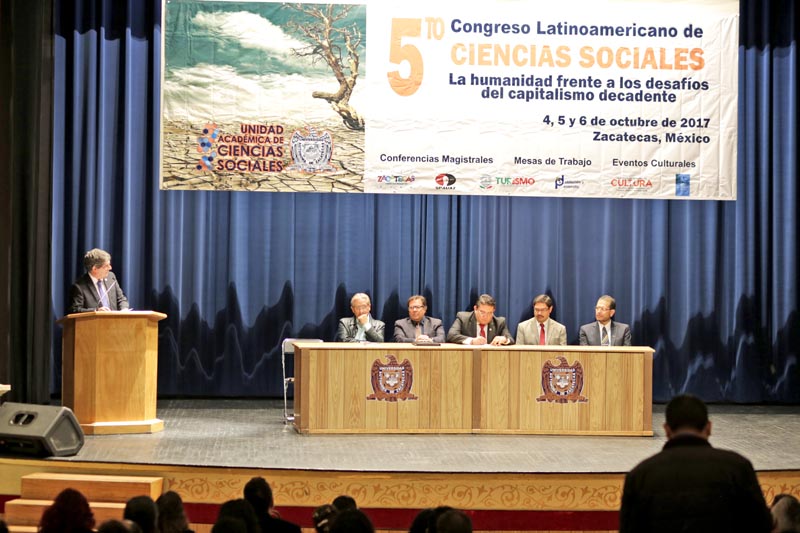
(97, 290)
(605, 332)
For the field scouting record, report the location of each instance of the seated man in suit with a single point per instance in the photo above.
(97, 290)
(605, 332)
(361, 326)
(418, 327)
(480, 326)
(541, 329)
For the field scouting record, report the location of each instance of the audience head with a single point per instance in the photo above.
(605, 309)
(143, 511)
(542, 307)
(322, 517)
(351, 521)
(229, 525)
(687, 414)
(258, 493)
(484, 309)
(241, 510)
(118, 526)
(344, 503)
(70, 511)
(417, 305)
(359, 304)
(3, 527)
(171, 516)
(453, 521)
(420, 523)
(785, 514)
(434, 517)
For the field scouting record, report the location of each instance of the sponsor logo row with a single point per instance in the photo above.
(447, 181)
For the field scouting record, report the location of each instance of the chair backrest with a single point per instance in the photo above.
(287, 347)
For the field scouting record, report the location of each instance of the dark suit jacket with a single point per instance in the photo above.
(466, 326)
(83, 295)
(691, 486)
(405, 331)
(620, 334)
(348, 327)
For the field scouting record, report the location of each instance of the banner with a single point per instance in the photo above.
(585, 99)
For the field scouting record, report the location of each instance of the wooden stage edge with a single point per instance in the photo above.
(582, 502)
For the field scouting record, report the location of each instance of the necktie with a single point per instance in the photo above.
(418, 331)
(604, 337)
(101, 291)
(541, 335)
(483, 331)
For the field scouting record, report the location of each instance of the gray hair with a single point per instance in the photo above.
(95, 258)
(543, 299)
(359, 296)
(485, 299)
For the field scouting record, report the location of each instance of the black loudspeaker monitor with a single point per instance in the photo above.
(39, 430)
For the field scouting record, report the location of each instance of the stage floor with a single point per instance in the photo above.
(251, 434)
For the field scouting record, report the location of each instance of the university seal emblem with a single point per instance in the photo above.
(312, 153)
(562, 383)
(392, 381)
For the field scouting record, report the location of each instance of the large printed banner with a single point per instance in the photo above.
(594, 99)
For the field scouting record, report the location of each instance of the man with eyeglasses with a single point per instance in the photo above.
(418, 327)
(605, 331)
(480, 326)
(541, 329)
(360, 327)
(97, 289)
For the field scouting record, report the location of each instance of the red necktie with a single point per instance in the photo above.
(483, 331)
(541, 335)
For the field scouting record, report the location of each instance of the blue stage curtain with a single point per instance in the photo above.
(712, 286)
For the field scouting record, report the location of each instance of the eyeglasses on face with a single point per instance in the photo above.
(601, 308)
(415, 307)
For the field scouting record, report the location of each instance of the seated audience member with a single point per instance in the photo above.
(605, 331)
(228, 524)
(344, 503)
(351, 521)
(785, 514)
(322, 517)
(480, 326)
(118, 526)
(97, 289)
(418, 327)
(691, 486)
(361, 326)
(453, 521)
(171, 516)
(234, 512)
(69, 513)
(143, 511)
(3, 527)
(258, 493)
(420, 523)
(541, 329)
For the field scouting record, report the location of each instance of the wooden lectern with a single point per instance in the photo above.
(109, 370)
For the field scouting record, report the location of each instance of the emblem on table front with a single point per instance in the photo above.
(562, 383)
(392, 381)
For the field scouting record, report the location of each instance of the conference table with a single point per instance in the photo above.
(455, 388)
